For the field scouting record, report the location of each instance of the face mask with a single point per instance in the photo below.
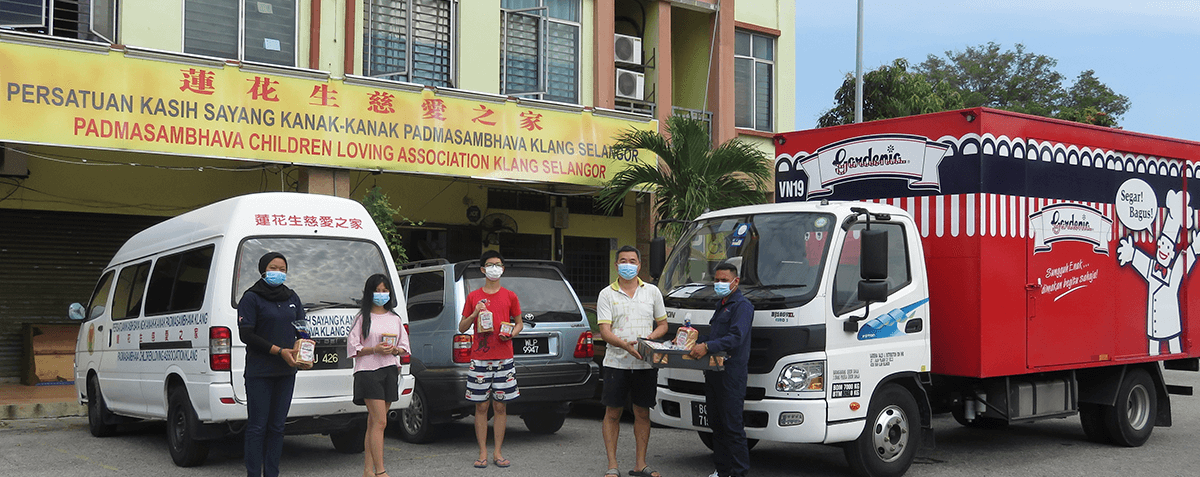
(627, 270)
(381, 298)
(722, 288)
(493, 273)
(274, 278)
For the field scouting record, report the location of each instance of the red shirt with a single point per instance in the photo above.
(505, 308)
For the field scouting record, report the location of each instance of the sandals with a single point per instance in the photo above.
(501, 462)
(613, 472)
(645, 472)
(481, 464)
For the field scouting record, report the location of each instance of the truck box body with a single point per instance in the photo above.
(1023, 220)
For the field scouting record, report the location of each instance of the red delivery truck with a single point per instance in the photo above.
(994, 265)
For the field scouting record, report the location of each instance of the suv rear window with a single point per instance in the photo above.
(541, 291)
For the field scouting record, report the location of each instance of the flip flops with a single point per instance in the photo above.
(614, 472)
(501, 462)
(481, 464)
(645, 472)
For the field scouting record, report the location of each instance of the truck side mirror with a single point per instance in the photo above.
(658, 256)
(873, 264)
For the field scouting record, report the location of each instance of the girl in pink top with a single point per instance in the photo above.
(376, 341)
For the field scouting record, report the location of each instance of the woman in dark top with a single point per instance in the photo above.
(265, 316)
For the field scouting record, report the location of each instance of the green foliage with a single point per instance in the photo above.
(696, 177)
(1012, 80)
(891, 92)
(379, 206)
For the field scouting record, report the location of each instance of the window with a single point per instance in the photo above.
(100, 296)
(541, 291)
(93, 20)
(263, 31)
(179, 281)
(753, 70)
(127, 298)
(409, 40)
(539, 49)
(426, 295)
(845, 283)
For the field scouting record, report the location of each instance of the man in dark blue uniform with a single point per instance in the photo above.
(725, 391)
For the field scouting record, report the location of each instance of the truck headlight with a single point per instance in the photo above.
(800, 377)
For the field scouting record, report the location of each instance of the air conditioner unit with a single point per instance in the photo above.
(628, 48)
(631, 84)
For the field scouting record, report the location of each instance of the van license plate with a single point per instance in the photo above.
(531, 345)
(700, 414)
(329, 358)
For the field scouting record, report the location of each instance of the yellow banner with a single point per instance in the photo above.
(111, 100)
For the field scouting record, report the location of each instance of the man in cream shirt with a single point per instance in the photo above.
(625, 311)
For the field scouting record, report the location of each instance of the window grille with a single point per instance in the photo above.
(389, 25)
(262, 31)
(754, 63)
(539, 49)
(92, 20)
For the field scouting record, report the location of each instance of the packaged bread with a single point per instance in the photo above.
(485, 322)
(686, 337)
(506, 329)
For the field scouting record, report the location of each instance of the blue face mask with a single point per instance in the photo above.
(627, 270)
(274, 278)
(381, 298)
(722, 288)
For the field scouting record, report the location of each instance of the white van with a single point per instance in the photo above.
(159, 338)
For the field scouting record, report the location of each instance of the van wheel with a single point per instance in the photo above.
(414, 420)
(98, 414)
(1131, 420)
(889, 440)
(544, 422)
(1091, 416)
(182, 424)
(351, 439)
(707, 439)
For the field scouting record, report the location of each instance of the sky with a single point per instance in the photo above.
(1148, 51)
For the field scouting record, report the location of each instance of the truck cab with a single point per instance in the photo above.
(840, 339)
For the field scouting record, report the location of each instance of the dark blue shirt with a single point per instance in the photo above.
(272, 321)
(729, 330)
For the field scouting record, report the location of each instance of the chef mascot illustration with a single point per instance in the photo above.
(1164, 272)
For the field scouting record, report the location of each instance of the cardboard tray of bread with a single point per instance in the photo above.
(664, 354)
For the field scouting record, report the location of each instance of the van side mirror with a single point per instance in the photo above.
(75, 311)
(873, 264)
(658, 256)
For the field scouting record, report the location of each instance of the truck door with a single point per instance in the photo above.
(1069, 316)
(894, 337)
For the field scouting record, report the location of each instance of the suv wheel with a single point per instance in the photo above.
(414, 419)
(186, 450)
(544, 422)
(350, 440)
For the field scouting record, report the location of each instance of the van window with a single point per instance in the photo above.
(100, 296)
(127, 298)
(426, 295)
(845, 283)
(541, 291)
(324, 272)
(178, 281)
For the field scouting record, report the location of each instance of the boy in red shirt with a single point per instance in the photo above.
(492, 374)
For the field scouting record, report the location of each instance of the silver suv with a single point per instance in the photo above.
(553, 353)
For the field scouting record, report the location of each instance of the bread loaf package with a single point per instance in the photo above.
(686, 337)
(485, 322)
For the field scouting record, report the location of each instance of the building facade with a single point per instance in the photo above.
(489, 123)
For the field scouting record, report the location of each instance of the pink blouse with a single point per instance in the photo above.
(387, 323)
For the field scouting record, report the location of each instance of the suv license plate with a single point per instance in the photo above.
(531, 345)
(699, 414)
(329, 358)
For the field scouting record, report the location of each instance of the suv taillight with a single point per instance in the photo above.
(462, 349)
(584, 348)
(219, 347)
(406, 359)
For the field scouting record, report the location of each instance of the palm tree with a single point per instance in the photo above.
(696, 177)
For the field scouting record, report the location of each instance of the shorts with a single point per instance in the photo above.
(493, 378)
(639, 385)
(382, 384)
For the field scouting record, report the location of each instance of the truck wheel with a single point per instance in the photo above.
(1091, 416)
(544, 422)
(707, 439)
(98, 414)
(350, 440)
(414, 420)
(186, 450)
(1131, 420)
(889, 440)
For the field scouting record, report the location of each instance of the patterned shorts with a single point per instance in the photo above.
(495, 379)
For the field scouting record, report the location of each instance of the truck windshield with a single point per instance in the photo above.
(779, 257)
(324, 272)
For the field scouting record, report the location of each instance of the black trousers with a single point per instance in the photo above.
(725, 392)
(268, 400)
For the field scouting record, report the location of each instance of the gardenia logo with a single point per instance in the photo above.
(1059, 224)
(843, 162)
